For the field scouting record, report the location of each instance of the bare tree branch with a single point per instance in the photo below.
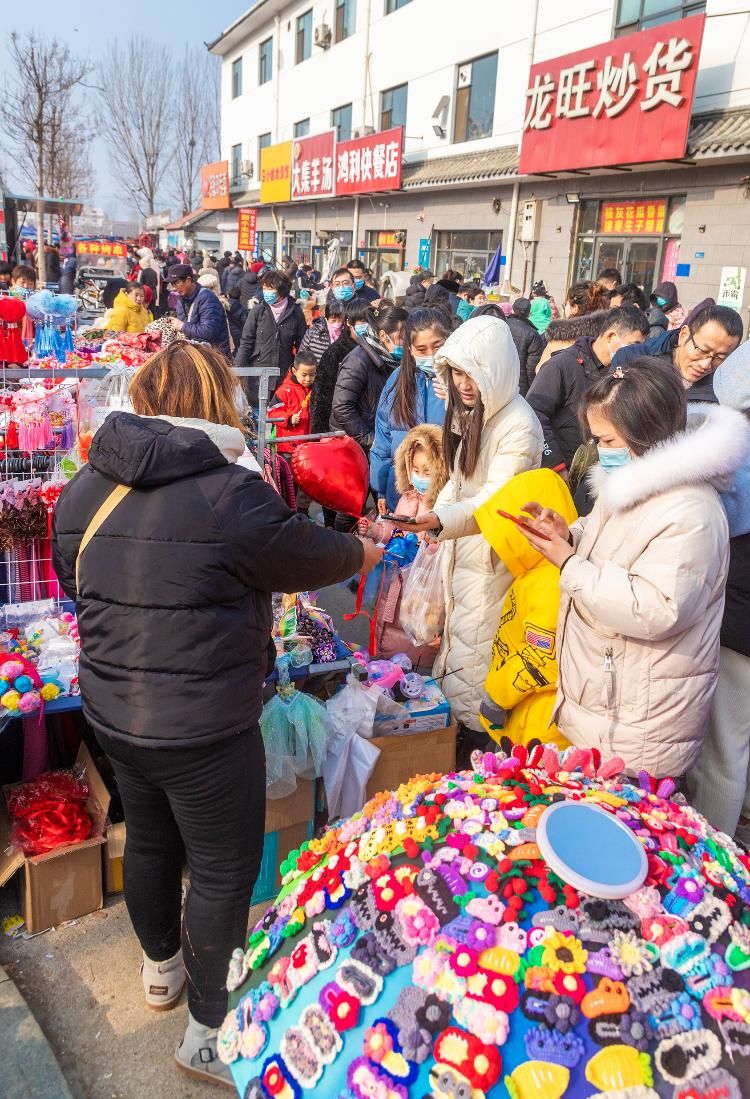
(139, 128)
(197, 114)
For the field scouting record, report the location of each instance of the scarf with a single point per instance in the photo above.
(385, 356)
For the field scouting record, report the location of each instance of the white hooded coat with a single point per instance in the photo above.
(476, 581)
(642, 600)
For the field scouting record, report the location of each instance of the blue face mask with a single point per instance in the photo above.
(398, 352)
(359, 283)
(426, 364)
(612, 457)
(361, 328)
(421, 484)
(343, 293)
(661, 302)
(270, 296)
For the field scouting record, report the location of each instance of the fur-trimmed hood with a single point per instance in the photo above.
(571, 329)
(711, 450)
(430, 438)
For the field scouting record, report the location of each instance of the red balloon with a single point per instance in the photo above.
(334, 472)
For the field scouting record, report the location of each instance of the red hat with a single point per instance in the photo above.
(257, 266)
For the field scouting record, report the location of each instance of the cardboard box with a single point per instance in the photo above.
(288, 824)
(402, 757)
(64, 883)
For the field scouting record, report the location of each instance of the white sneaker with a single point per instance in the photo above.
(163, 982)
(197, 1056)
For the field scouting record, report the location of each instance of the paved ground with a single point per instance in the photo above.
(82, 985)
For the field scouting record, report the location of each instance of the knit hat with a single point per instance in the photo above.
(540, 314)
(732, 379)
(257, 266)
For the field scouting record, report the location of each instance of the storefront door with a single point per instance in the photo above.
(385, 252)
(637, 260)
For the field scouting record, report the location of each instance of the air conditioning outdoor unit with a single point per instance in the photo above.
(464, 76)
(322, 36)
(400, 238)
(248, 168)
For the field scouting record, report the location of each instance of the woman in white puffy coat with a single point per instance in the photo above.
(490, 435)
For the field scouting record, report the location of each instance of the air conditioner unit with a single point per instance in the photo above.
(248, 168)
(530, 221)
(464, 76)
(322, 36)
(400, 238)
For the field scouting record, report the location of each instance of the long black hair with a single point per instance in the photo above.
(463, 427)
(405, 394)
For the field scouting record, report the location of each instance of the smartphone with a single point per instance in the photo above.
(397, 518)
(524, 526)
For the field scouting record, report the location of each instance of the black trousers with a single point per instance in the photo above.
(210, 803)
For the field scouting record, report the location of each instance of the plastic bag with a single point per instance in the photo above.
(53, 810)
(295, 734)
(350, 759)
(423, 597)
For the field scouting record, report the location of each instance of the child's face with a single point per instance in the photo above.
(305, 375)
(420, 463)
(479, 299)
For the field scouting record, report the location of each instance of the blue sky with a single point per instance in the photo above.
(88, 27)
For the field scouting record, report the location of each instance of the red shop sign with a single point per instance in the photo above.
(312, 166)
(625, 102)
(246, 223)
(370, 163)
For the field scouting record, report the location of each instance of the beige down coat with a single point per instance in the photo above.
(476, 581)
(643, 597)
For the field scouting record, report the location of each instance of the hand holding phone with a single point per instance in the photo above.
(524, 526)
(397, 518)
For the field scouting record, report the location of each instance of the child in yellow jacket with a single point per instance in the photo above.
(522, 681)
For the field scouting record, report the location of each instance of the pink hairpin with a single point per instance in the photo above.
(618, 372)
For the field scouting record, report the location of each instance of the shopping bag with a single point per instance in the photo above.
(423, 597)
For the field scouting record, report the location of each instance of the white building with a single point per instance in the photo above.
(456, 79)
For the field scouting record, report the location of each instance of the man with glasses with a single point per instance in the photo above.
(199, 314)
(696, 349)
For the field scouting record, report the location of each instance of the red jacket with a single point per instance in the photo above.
(291, 397)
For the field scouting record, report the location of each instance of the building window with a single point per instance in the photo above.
(468, 251)
(320, 255)
(302, 128)
(263, 142)
(344, 19)
(639, 15)
(394, 5)
(266, 247)
(393, 107)
(304, 36)
(235, 166)
(265, 61)
(298, 245)
(237, 78)
(341, 122)
(475, 98)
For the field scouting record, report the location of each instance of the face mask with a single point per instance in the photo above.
(609, 345)
(343, 293)
(421, 484)
(304, 293)
(425, 363)
(612, 457)
(359, 283)
(269, 296)
(398, 352)
(661, 302)
(334, 329)
(361, 328)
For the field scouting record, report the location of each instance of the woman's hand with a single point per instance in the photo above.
(546, 520)
(382, 506)
(440, 389)
(428, 521)
(552, 546)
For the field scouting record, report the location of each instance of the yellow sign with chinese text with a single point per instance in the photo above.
(644, 216)
(276, 173)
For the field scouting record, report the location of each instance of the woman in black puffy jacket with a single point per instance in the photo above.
(173, 592)
(362, 376)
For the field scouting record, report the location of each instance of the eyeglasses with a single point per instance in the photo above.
(715, 359)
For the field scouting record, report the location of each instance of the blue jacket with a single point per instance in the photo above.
(208, 320)
(429, 409)
(661, 347)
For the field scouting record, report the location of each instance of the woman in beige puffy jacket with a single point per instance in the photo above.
(642, 577)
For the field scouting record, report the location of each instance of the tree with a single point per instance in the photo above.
(197, 139)
(41, 115)
(138, 116)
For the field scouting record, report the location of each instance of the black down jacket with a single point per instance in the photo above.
(414, 296)
(358, 387)
(266, 342)
(174, 607)
(529, 345)
(556, 396)
(326, 377)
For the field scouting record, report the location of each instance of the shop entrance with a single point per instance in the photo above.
(385, 252)
(640, 238)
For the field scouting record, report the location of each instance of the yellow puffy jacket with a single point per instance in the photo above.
(522, 679)
(126, 315)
